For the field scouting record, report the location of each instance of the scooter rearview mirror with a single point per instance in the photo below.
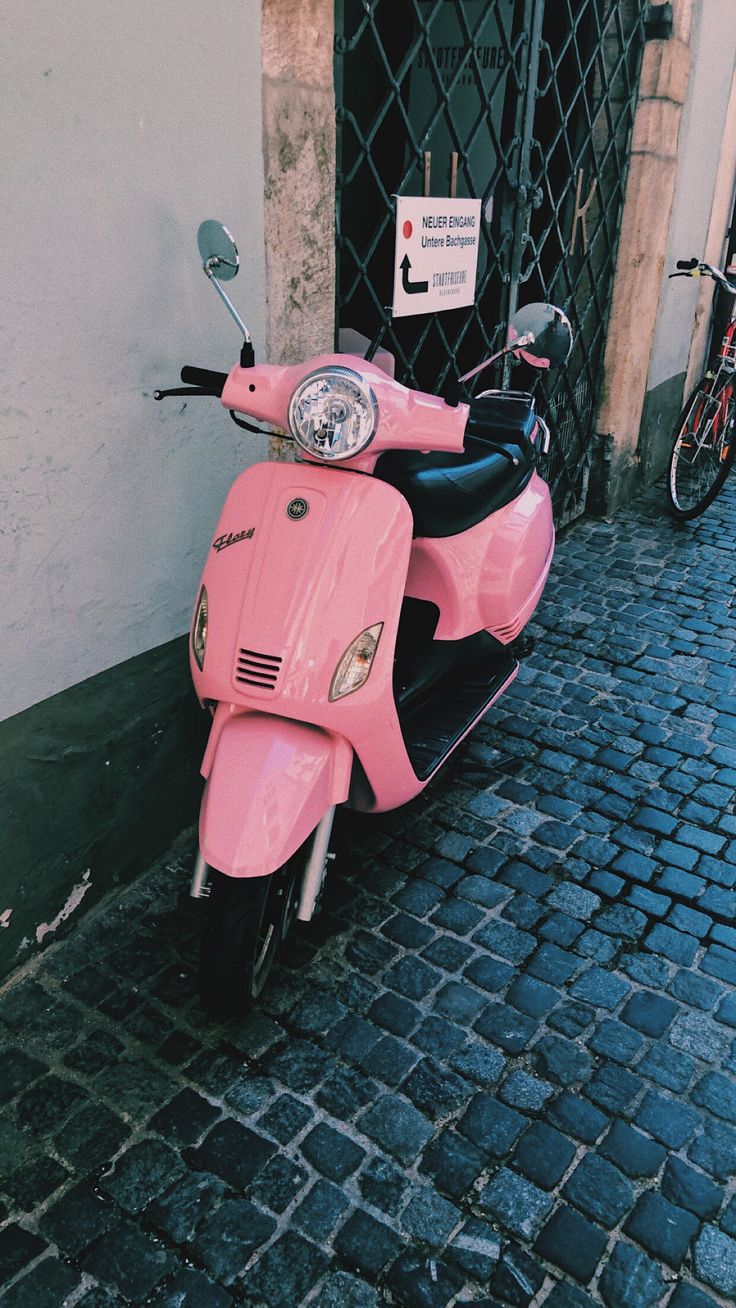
(220, 263)
(218, 250)
(549, 329)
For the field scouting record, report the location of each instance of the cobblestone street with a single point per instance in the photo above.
(499, 1067)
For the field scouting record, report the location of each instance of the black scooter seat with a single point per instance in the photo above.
(448, 493)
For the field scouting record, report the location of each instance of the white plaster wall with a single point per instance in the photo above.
(121, 127)
(700, 150)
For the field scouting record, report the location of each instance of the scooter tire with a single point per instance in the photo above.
(246, 921)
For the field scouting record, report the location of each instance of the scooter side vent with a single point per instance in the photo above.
(253, 669)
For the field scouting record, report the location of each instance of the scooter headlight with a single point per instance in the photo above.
(199, 629)
(356, 663)
(333, 414)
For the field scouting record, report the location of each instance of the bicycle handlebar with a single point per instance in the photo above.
(694, 268)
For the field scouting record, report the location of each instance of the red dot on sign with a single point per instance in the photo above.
(407, 229)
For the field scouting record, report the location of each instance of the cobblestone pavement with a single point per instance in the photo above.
(498, 1069)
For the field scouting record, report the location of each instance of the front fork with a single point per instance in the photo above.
(312, 877)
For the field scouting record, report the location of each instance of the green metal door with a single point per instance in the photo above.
(528, 105)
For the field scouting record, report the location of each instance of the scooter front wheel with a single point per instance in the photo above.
(246, 921)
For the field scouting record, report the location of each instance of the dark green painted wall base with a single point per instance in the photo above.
(616, 479)
(95, 783)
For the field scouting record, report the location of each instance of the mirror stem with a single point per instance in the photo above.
(227, 302)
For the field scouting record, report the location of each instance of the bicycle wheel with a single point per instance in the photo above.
(703, 449)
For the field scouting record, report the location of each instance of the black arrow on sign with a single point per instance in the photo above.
(411, 288)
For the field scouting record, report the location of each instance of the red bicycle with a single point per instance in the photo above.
(704, 443)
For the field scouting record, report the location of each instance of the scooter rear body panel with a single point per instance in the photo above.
(492, 576)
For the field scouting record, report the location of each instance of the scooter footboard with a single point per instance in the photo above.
(270, 782)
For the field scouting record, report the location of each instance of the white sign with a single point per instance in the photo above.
(436, 254)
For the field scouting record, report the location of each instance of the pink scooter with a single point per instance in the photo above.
(356, 616)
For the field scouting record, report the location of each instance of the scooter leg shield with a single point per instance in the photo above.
(271, 781)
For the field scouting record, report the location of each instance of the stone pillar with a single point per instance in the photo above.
(640, 263)
(299, 165)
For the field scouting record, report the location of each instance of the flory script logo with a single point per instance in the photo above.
(232, 538)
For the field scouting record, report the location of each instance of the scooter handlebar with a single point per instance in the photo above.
(214, 381)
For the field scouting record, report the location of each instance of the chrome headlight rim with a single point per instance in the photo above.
(330, 372)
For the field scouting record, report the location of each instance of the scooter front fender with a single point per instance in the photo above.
(270, 782)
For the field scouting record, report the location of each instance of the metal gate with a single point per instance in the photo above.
(529, 105)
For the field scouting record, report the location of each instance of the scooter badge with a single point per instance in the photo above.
(297, 509)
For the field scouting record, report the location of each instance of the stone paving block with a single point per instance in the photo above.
(666, 1119)
(506, 1027)
(278, 1184)
(478, 1062)
(141, 1174)
(226, 1240)
(190, 1288)
(345, 1092)
(286, 1272)
(430, 1218)
(506, 941)
(601, 988)
(456, 915)
(318, 1212)
(18, 1248)
(438, 1037)
(689, 1296)
(365, 1243)
(128, 1261)
(698, 1035)
(342, 1290)
(649, 1013)
(571, 1243)
(90, 1137)
(714, 1149)
(179, 1212)
(562, 1061)
(690, 1189)
(715, 1260)
(389, 1060)
(333, 1154)
(453, 1162)
(599, 1190)
(31, 1185)
(185, 1118)
(631, 1151)
(17, 1071)
(631, 1280)
(613, 1087)
(384, 1185)
(489, 973)
(515, 1203)
(285, 1117)
(47, 1285)
(233, 1152)
(517, 1278)
(397, 1126)
(717, 1093)
(393, 1013)
(449, 954)
(614, 1040)
(663, 1229)
(491, 1126)
(566, 1295)
(575, 1115)
(543, 1155)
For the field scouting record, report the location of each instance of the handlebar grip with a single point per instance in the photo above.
(204, 377)
(687, 264)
